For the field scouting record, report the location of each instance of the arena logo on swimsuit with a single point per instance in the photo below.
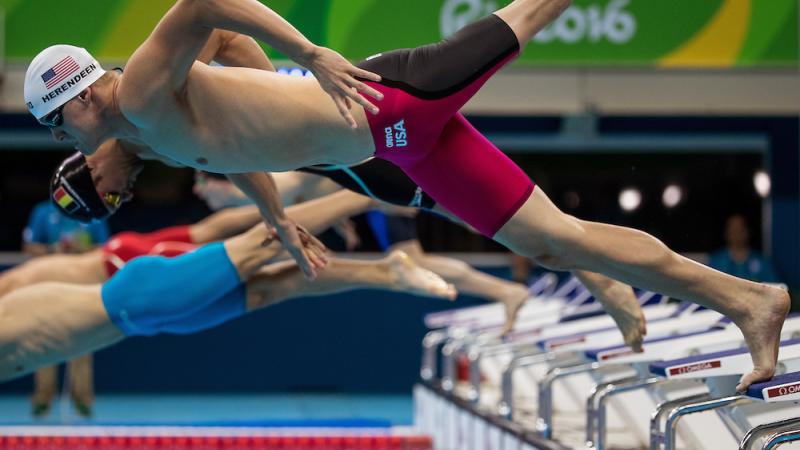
(396, 135)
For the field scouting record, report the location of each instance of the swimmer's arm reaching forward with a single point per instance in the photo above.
(166, 57)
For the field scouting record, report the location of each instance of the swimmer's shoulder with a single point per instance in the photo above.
(134, 103)
(146, 97)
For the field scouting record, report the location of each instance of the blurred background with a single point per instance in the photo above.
(670, 117)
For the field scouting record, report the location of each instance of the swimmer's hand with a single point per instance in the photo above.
(338, 78)
(307, 251)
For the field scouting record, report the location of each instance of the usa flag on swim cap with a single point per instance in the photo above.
(64, 68)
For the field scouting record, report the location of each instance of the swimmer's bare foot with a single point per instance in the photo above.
(410, 277)
(761, 326)
(512, 306)
(621, 304)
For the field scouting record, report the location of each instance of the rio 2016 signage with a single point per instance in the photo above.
(590, 23)
(712, 33)
(636, 33)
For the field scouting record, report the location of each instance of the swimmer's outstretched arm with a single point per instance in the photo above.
(169, 52)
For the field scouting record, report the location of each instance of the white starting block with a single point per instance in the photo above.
(548, 369)
(638, 403)
(781, 388)
(685, 319)
(721, 372)
(554, 368)
(491, 358)
(542, 301)
(488, 320)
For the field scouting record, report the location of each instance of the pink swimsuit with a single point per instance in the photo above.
(420, 129)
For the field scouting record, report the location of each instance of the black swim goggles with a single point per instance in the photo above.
(54, 118)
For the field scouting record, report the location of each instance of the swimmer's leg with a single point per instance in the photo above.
(45, 385)
(219, 297)
(150, 292)
(276, 282)
(47, 323)
(620, 302)
(470, 281)
(396, 272)
(469, 190)
(250, 250)
(81, 383)
(528, 17)
(315, 215)
(143, 298)
(321, 213)
(541, 231)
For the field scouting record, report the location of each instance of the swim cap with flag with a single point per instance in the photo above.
(56, 75)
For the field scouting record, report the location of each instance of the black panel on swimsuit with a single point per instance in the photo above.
(437, 70)
(385, 180)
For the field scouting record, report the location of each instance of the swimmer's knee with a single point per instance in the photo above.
(556, 247)
(558, 262)
(548, 262)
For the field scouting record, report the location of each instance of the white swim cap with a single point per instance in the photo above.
(56, 75)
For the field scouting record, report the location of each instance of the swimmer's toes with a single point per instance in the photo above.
(512, 312)
(451, 292)
(758, 374)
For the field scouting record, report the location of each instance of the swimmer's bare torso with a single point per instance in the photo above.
(239, 120)
(233, 120)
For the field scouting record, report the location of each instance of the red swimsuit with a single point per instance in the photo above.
(125, 246)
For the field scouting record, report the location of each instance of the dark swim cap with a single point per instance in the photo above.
(72, 191)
